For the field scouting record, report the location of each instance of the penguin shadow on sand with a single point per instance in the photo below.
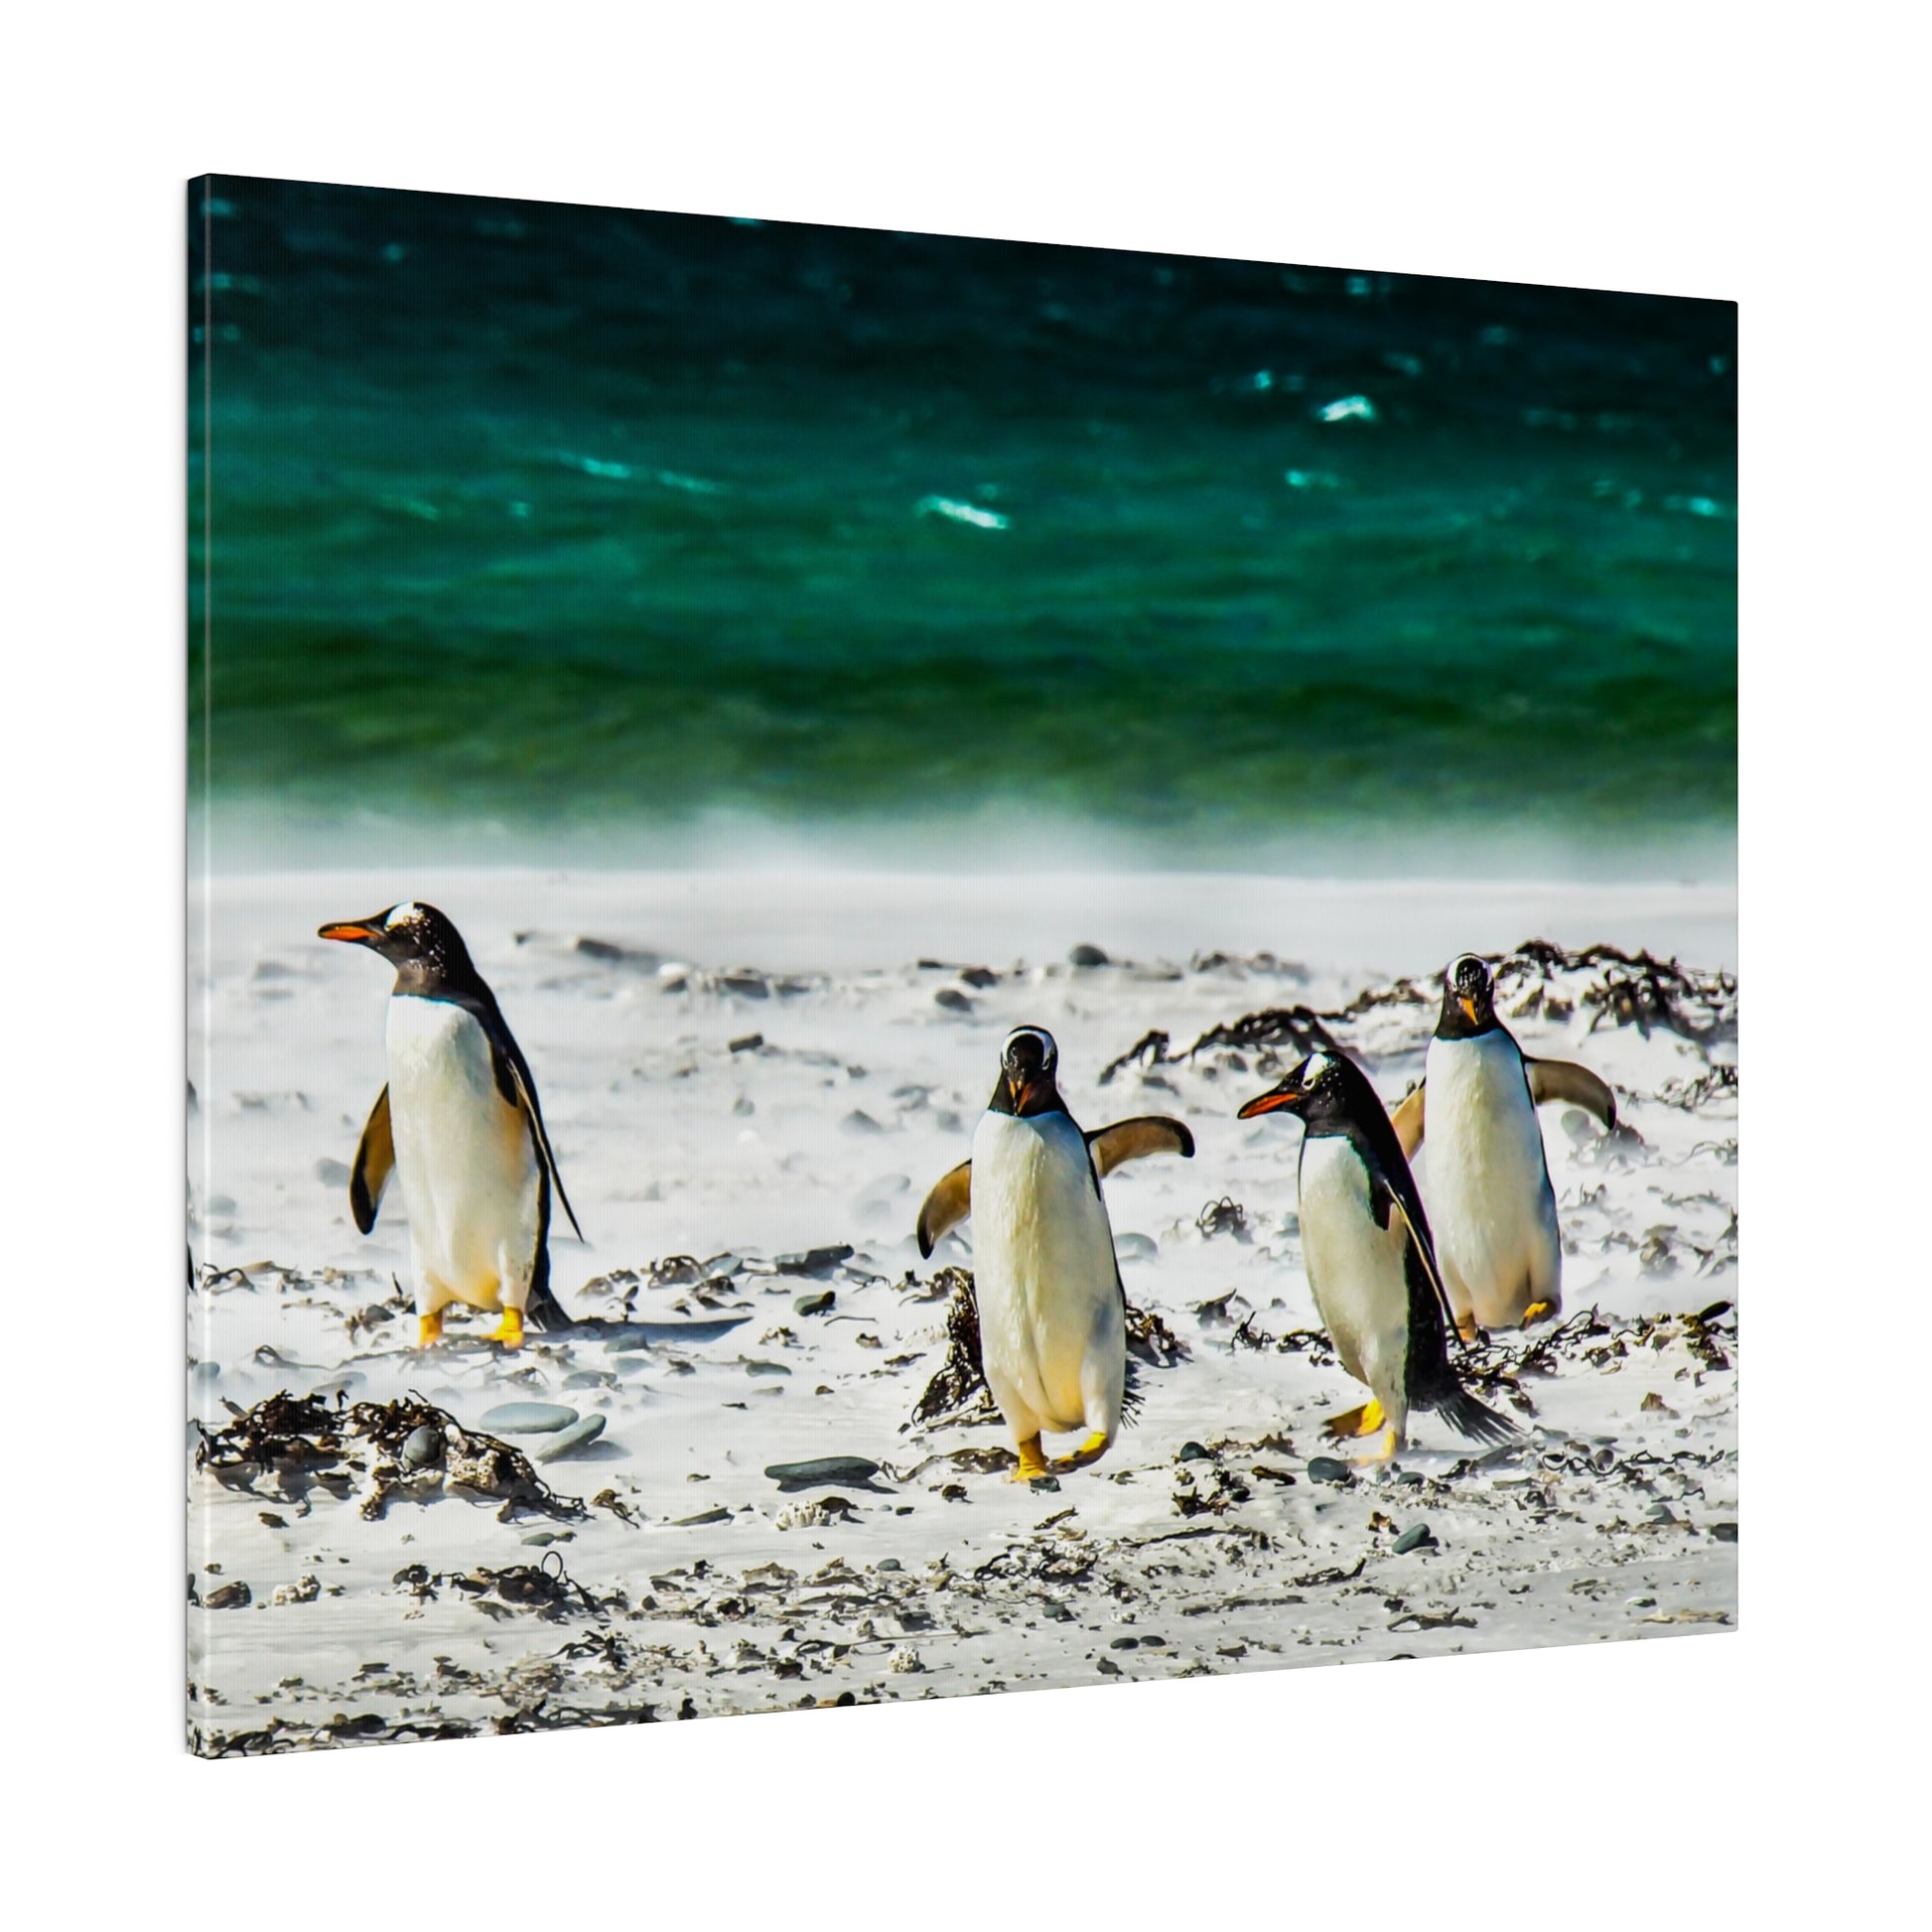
(458, 1128)
(1052, 1310)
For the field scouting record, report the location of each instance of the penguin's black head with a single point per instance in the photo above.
(1468, 1000)
(1028, 1083)
(1317, 1090)
(420, 943)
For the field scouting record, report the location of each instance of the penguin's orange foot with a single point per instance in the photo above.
(1538, 1312)
(1465, 1326)
(1091, 1451)
(1033, 1462)
(429, 1328)
(509, 1331)
(1385, 1451)
(1364, 1420)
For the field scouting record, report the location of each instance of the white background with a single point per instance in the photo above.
(1761, 154)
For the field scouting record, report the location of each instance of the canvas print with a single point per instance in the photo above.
(923, 965)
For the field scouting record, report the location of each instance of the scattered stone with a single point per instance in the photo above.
(1086, 955)
(1194, 1453)
(815, 1263)
(423, 1446)
(527, 1418)
(1418, 1536)
(824, 1472)
(1136, 1247)
(1725, 1532)
(1045, 1485)
(718, 1515)
(1327, 1468)
(858, 1121)
(979, 977)
(747, 1042)
(820, 1303)
(541, 1539)
(305, 1592)
(952, 999)
(231, 1597)
(332, 1174)
(586, 1429)
(891, 1563)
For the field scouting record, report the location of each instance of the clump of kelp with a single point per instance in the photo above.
(287, 1444)
(958, 1391)
(1617, 988)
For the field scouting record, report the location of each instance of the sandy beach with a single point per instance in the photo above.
(751, 1080)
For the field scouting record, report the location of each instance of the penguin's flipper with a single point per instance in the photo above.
(514, 1083)
(1407, 1120)
(376, 1160)
(946, 1207)
(1429, 1307)
(1131, 1140)
(1566, 1080)
(542, 1310)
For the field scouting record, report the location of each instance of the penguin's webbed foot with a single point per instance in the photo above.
(1032, 1461)
(1538, 1312)
(429, 1328)
(1091, 1451)
(1385, 1451)
(509, 1331)
(1467, 1328)
(1364, 1420)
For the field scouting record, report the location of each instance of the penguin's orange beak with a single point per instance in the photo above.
(1267, 1103)
(358, 932)
(1017, 1092)
(1468, 1006)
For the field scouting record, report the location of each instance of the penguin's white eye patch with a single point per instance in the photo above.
(1313, 1067)
(402, 915)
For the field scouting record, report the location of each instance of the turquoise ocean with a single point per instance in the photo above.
(533, 531)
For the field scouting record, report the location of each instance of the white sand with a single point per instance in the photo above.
(864, 1091)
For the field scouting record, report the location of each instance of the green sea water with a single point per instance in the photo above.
(590, 530)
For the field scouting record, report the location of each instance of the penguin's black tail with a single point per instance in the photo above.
(543, 1312)
(1470, 1418)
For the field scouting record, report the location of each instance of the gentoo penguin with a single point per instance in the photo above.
(1489, 1185)
(1370, 1264)
(460, 1122)
(1052, 1309)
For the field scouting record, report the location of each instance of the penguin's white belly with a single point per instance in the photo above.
(464, 1154)
(1051, 1331)
(1490, 1202)
(1356, 1270)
